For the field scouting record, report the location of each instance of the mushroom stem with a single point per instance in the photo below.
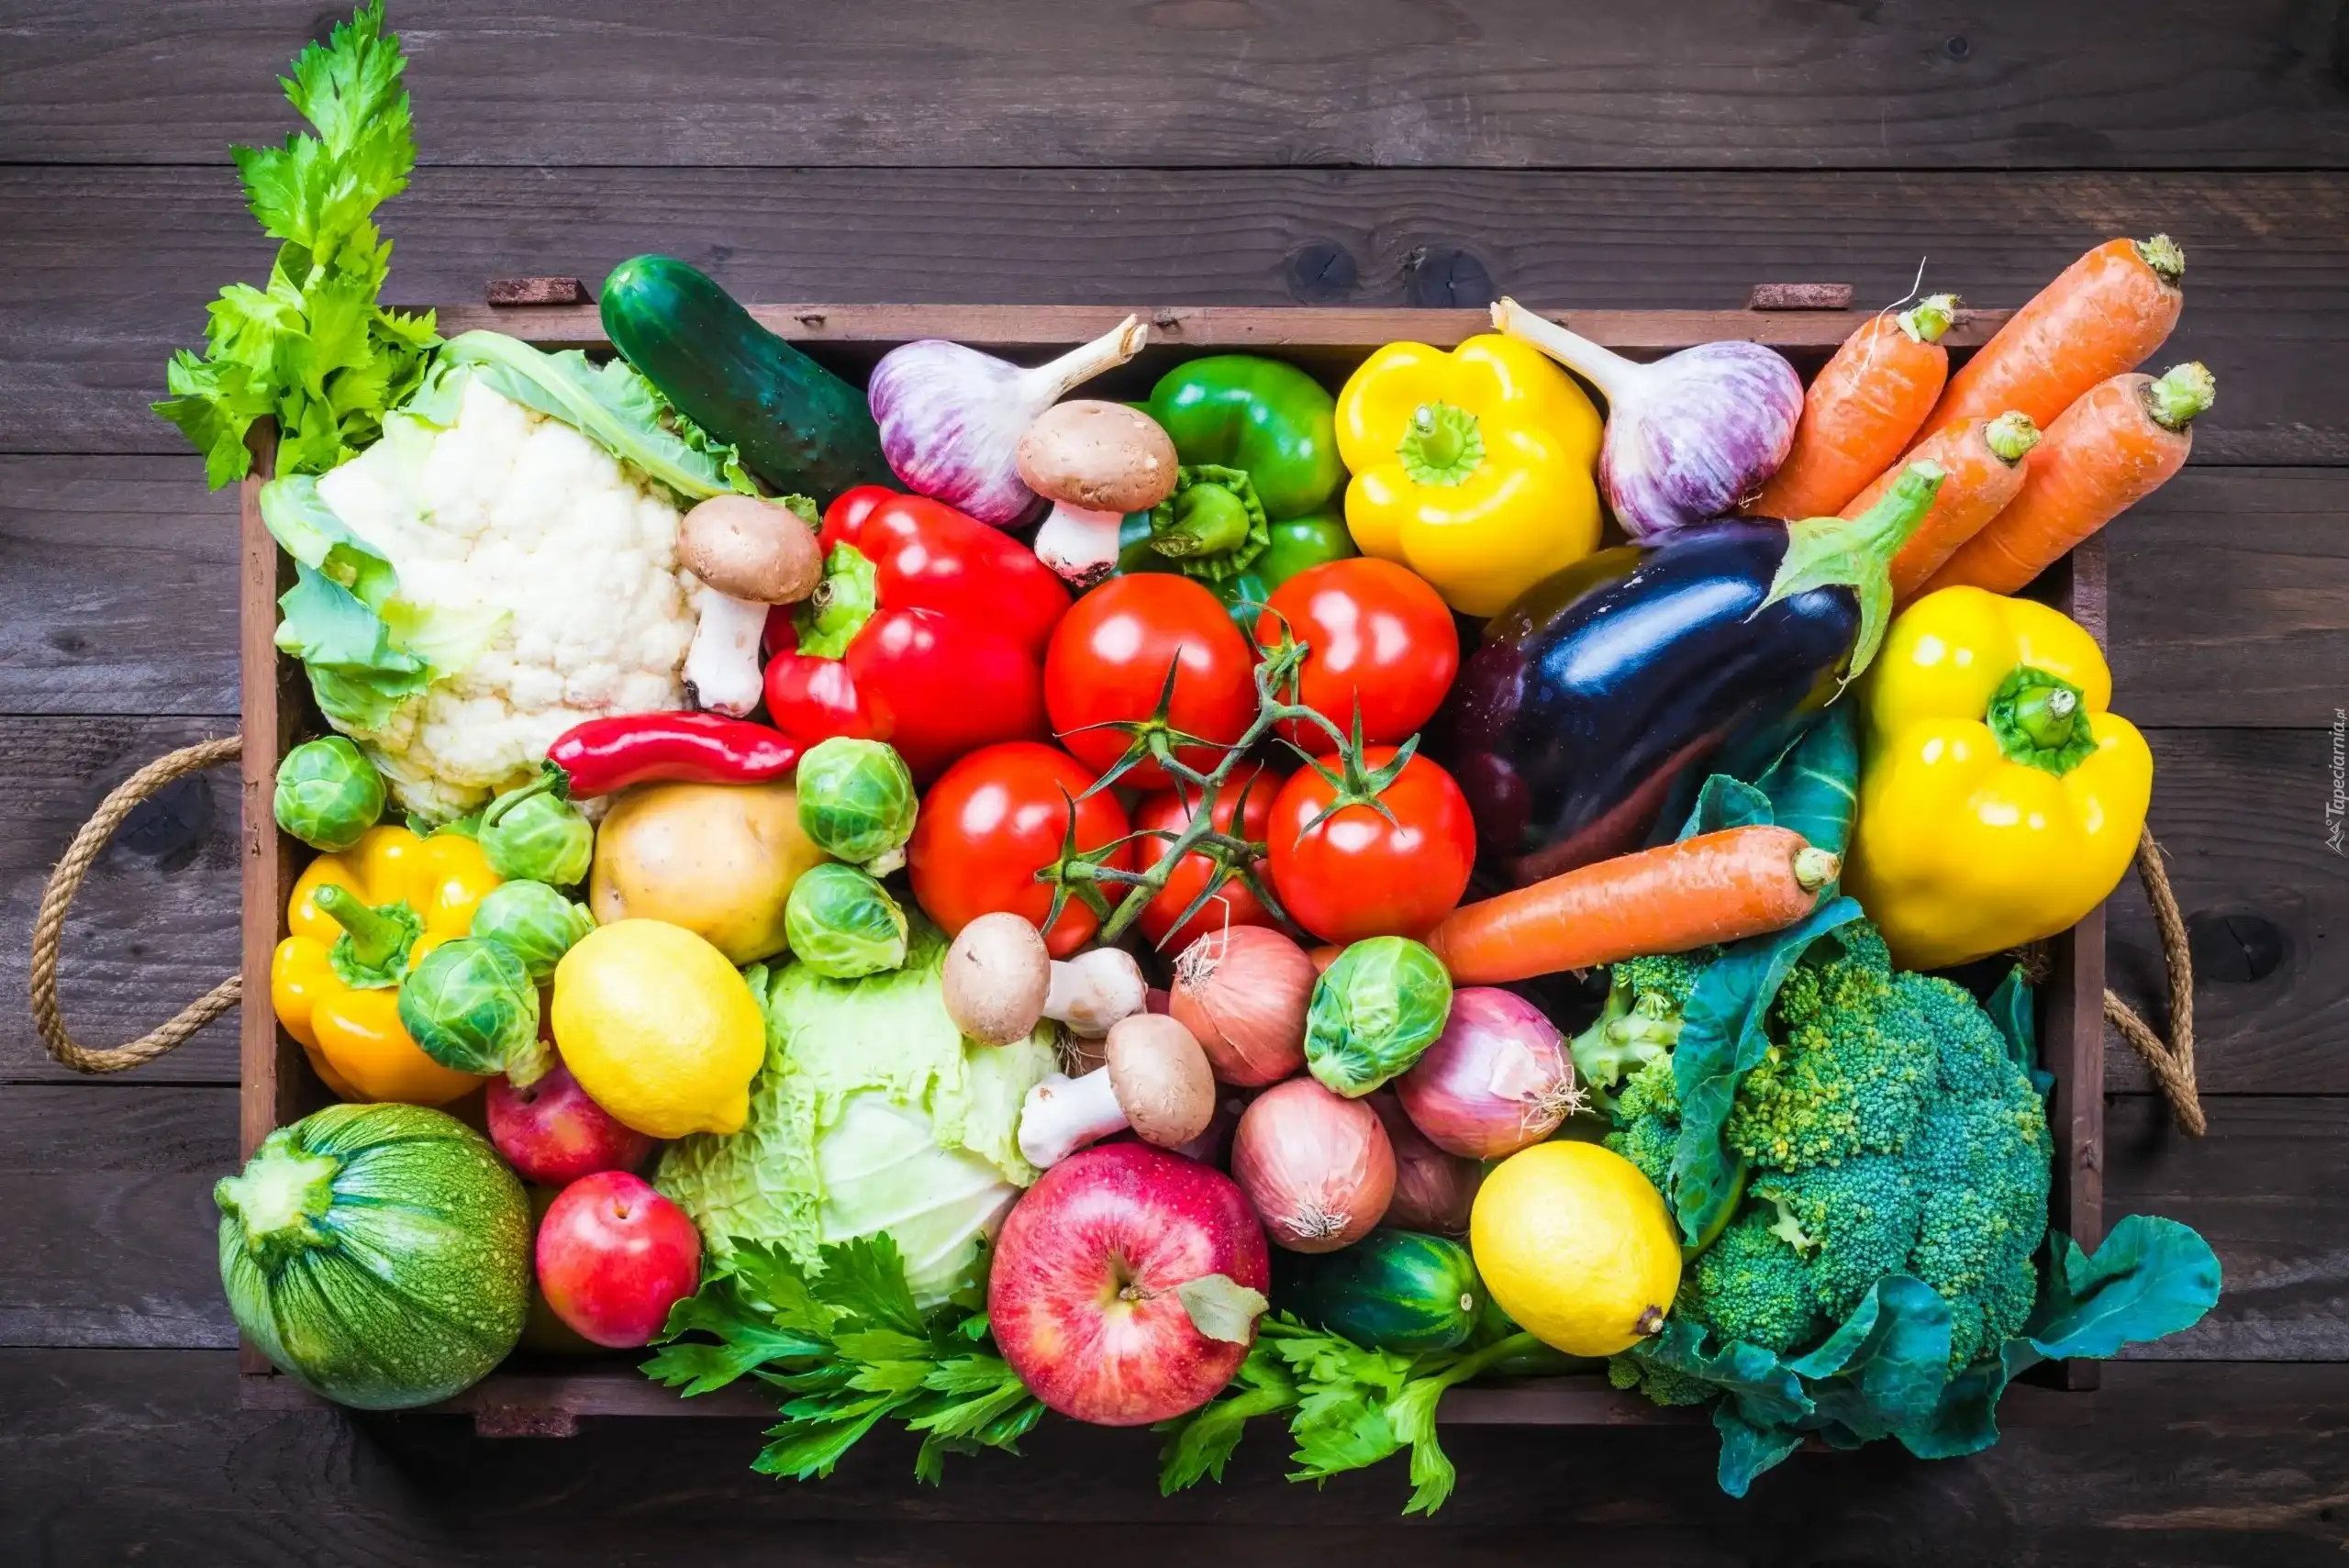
(1094, 990)
(1079, 543)
(721, 670)
(1061, 1115)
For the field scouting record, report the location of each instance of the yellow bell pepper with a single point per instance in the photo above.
(394, 897)
(1473, 467)
(2001, 799)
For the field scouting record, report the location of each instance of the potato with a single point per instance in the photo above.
(718, 860)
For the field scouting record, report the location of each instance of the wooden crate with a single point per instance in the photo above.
(547, 1398)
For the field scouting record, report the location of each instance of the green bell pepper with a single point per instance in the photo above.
(1257, 499)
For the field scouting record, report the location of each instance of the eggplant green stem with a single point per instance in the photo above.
(1856, 553)
(2174, 398)
(2165, 256)
(1614, 376)
(1930, 317)
(2012, 436)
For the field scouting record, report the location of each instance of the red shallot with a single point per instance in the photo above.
(1434, 1190)
(1244, 991)
(1498, 1079)
(1316, 1168)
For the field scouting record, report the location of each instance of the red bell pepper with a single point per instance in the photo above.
(929, 632)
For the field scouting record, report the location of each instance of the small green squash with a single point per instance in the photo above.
(380, 1255)
(1393, 1290)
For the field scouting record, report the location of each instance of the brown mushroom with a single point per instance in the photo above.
(750, 555)
(1157, 1080)
(1000, 982)
(1095, 461)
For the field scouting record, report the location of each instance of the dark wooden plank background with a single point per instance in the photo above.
(1241, 151)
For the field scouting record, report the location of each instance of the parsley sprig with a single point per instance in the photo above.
(847, 1343)
(312, 348)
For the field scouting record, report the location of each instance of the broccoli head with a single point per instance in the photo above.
(1887, 1130)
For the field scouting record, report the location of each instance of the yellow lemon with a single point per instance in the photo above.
(659, 1029)
(1576, 1246)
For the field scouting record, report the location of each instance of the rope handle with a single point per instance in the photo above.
(66, 881)
(2171, 1061)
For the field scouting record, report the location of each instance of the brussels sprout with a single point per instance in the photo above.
(857, 801)
(1374, 1011)
(327, 793)
(533, 922)
(842, 924)
(535, 834)
(471, 1005)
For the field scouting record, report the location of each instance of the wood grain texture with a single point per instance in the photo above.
(117, 592)
(2240, 814)
(1712, 83)
(2186, 1465)
(90, 307)
(117, 587)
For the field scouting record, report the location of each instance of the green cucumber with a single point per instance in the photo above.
(800, 428)
(1393, 1290)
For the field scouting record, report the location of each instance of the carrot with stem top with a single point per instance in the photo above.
(1862, 409)
(2107, 452)
(1715, 888)
(1984, 463)
(2104, 316)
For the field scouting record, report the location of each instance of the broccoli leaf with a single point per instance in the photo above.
(1722, 1039)
(1885, 1366)
(2010, 1007)
(2153, 1276)
(1813, 786)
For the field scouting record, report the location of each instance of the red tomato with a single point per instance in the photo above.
(994, 820)
(1374, 633)
(1107, 664)
(1233, 904)
(1359, 875)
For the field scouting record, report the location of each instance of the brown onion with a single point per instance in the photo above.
(1434, 1190)
(1317, 1169)
(1243, 991)
(1498, 1079)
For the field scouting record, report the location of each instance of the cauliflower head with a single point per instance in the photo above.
(513, 514)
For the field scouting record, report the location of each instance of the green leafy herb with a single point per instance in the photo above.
(1349, 1408)
(312, 347)
(849, 1345)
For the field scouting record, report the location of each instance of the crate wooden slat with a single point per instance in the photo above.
(277, 1084)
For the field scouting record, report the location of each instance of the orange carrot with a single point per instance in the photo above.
(2104, 316)
(1984, 468)
(1862, 411)
(1716, 887)
(2108, 451)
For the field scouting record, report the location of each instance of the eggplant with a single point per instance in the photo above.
(1602, 687)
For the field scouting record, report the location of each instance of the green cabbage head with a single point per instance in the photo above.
(872, 1114)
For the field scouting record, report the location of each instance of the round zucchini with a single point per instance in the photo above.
(1393, 1290)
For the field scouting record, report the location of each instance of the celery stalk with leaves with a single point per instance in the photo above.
(312, 347)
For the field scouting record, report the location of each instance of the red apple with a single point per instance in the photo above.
(554, 1134)
(1082, 1294)
(614, 1256)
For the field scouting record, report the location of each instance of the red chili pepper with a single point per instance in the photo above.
(607, 754)
(928, 633)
